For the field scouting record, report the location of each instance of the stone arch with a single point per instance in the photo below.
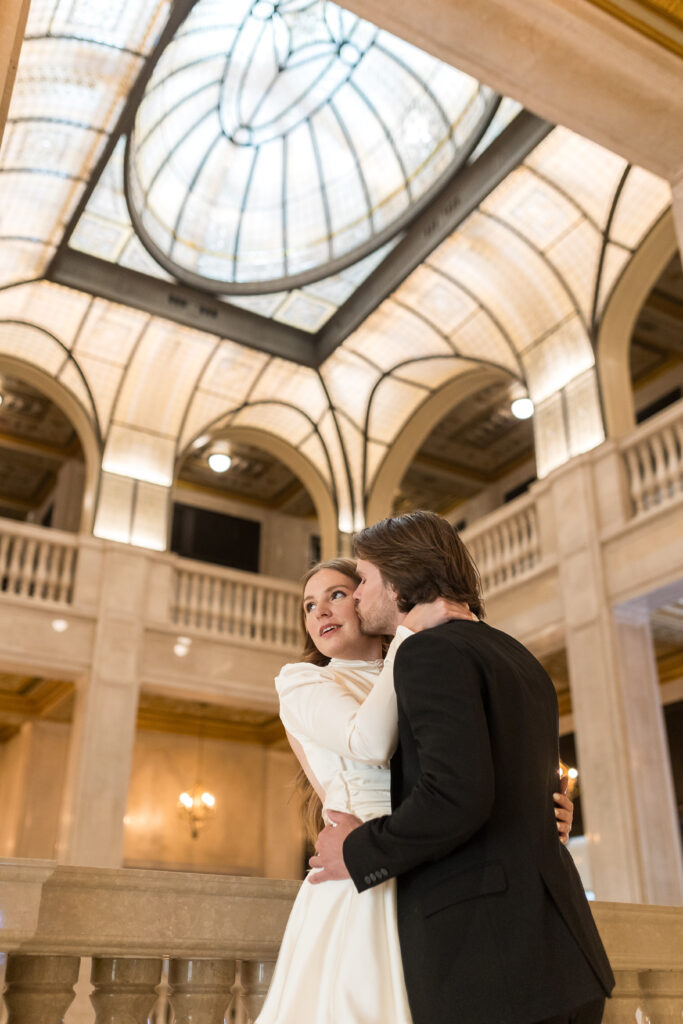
(618, 321)
(75, 412)
(325, 506)
(414, 432)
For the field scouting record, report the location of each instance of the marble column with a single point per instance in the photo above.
(103, 732)
(650, 780)
(622, 753)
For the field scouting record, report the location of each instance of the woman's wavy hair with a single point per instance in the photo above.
(421, 555)
(311, 807)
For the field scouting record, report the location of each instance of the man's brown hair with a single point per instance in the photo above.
(421, 555)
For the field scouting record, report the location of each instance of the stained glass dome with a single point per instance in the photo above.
(278, 142)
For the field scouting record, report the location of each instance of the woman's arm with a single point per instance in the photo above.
(314, 705)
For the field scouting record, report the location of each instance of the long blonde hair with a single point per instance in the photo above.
(311, 807)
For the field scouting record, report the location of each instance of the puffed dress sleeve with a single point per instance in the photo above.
(313, 705)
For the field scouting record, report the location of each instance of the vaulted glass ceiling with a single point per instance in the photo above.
(278, 141)
(275, 156)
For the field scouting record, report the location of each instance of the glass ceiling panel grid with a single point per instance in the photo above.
(103, 380)
(285, 423)
(299, 384)
(232, 372)
(161, 376)
(59, 310)
(559, 358)
(274, 140)
(582, 169)
(432, 373)
(22, 260)
(642, 201)
(480, 338)
(32, 345)
(110, 332)
(394, 333)
(510, 280)
(393, 403)
(576, 255)
(314, 451)
(77, 65)
(438, 298)
(349, 381)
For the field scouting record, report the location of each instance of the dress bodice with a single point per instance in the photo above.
(344, 717)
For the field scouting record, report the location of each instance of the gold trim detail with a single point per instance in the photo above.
(659, 20)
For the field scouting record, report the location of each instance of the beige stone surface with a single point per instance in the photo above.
(568, 62)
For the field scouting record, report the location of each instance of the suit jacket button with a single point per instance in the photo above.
(367, 880)
(373, 876)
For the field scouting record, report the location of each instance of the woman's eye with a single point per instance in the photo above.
(308, 608)
(339, 593)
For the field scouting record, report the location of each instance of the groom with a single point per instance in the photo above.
(493, 922)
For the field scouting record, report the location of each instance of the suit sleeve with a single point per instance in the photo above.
(313, 705)
(439, 686)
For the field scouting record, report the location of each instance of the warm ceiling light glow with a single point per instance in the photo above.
(186, 800)
(219, 462)
(1, 399)
(60, 625)
(573, 773)
(522, 408)
(208, 799)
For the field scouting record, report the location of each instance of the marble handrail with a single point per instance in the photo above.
(506, 543)
(653, 457)
(36, 562)
(219, 935)
(255, 608)
(129, 920)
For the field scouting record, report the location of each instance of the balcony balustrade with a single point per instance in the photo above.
(653, 456)
(201, 948)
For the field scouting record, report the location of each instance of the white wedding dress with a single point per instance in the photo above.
(340, 961)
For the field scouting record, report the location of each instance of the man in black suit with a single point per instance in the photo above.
(493, 921)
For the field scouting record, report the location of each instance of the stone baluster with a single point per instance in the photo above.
(259, 614)
(40, 577)
(54, 572)
(635, 479)
(68, 574)
(204, 603)
(124, 989)
(14, 565)
(200, 990)
(40, 989)
(216, 603)
(256, 976)
(4, 559)
(241, 606)
(26, 578)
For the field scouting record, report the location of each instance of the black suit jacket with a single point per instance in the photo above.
(493, 921)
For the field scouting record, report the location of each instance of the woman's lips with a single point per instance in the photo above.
(330, 628)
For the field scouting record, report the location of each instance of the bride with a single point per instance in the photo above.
(340, 961)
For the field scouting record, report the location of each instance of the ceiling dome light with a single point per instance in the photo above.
(522, 408)
(219, 462)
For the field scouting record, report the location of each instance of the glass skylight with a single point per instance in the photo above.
(278, 142)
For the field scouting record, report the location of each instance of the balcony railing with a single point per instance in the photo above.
(506, 544)
(37, 563)
(653, 456)
(236, 605)
(201, 948)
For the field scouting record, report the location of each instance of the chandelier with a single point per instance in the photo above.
(196, 804)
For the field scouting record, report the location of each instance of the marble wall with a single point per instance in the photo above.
(255, 829)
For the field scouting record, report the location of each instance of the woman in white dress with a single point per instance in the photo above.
(340, 961)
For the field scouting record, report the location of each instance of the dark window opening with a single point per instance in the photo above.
(214, 537)
(659, 403)
(515, 492)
